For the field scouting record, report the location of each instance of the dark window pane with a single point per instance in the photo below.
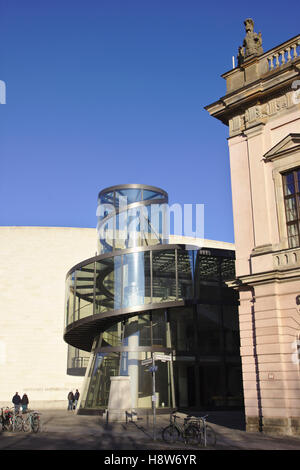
(182, 329)
(185, 266)
(289, 185)
(164, 279)
(209, 329)
(159, 322)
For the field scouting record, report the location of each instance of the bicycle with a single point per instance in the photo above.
(207, 436)
(32, 422)
(174, 431)
(10, 420)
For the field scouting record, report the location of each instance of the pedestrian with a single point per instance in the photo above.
(24, 403)
(17, 402)
(76, 398)
(70, 400)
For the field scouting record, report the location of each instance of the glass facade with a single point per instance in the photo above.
(131, 279)
(133, 301)
(131, 217)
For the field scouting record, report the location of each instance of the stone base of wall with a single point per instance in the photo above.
(274, 426)
(253, 424)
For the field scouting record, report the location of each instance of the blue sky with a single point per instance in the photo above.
(113, 91)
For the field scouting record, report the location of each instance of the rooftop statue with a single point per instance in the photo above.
(252, 44)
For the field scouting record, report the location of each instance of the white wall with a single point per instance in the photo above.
(33, 355)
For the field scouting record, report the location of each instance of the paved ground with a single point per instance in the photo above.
(63, 430)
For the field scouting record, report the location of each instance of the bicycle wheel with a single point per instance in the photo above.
(170, 434)
(26, 425)
(192, 435)
(8, 425)
(35, 424)
(18, 424)
(211, 437)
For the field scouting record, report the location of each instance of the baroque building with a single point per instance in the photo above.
(261, 108)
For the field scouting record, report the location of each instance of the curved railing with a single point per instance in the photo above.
(101, 290)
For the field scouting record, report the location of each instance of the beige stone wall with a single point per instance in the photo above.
(33, 354)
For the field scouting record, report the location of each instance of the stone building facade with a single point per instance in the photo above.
(261, 107)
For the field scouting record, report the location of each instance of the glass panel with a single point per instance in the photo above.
(227, 269)
(159, 324)
(185, 264)
(107, 198)
(231, 330)
(144, 329)
(207, 283)
(185, 383)
(148, 194)
(209, 329)
(234, 385)
(182, 329)
(207, 268)
(152, 218)
(133, 228)
(70, 299)
(108, 284)
(289, 185)
(164, 276)
(103, 367)
(136, 279)
(106, 234)
(127, 196)
(84, 291)
(291, 210)
(67, 300)
(293, 235)
(163, 384)
(132, 332)
(212, 385)
(113, 336)
(77, 361)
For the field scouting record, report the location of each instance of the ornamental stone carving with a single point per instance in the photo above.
(252, 44)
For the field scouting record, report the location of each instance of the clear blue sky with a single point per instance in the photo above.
(112, 91)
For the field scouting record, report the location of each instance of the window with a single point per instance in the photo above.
(291, 188)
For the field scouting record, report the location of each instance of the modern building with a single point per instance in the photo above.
(261, 107)
(145, 294)
(33, 355)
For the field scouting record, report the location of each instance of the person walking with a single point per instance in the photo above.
(24, 403)
(70, 400)
(17, 402)
(76, 398)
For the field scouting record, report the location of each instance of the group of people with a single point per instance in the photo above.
(18, 402)
(24, 401)
(73, 400)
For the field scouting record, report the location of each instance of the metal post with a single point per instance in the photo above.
(153, 397)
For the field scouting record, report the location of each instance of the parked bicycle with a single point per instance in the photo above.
(10, 420)
(175, 431)
(31, 422)
(207, 436)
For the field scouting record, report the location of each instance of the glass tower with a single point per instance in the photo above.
(141, 295)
